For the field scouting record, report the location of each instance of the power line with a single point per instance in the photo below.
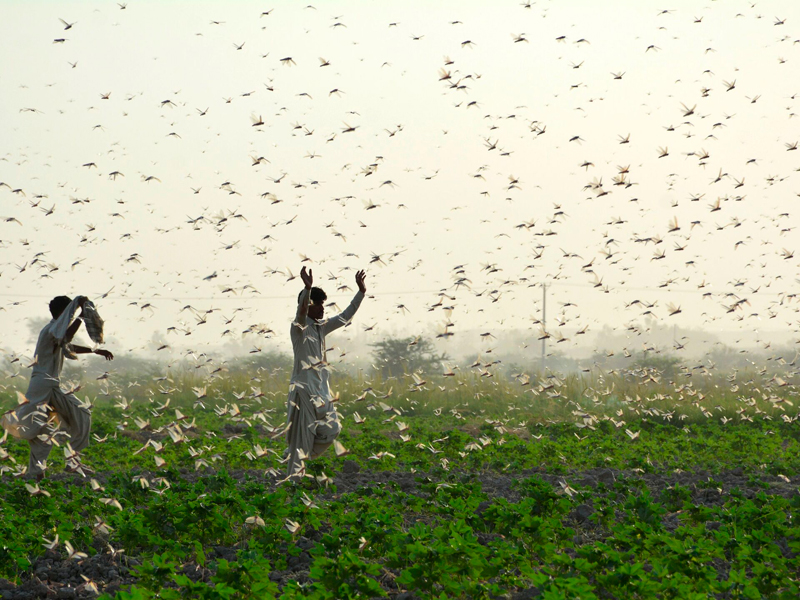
(183, 298)
(549, 283)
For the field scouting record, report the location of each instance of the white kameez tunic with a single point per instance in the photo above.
(312, 421)
(45, 395)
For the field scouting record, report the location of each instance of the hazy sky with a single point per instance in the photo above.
(486, 135)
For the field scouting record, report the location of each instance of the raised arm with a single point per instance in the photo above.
(73, 329)
(348, 313)
(305, 295)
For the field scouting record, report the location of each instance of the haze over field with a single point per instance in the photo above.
(639, 160)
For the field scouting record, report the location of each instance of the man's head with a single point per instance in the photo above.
(316, 307)
(58, 304)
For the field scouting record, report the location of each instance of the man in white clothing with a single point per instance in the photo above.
(47, 404)
(312, 421)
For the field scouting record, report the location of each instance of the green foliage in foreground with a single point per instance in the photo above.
(623, 485)
(437, 532)
(449, 540)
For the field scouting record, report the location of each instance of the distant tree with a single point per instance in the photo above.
(126, 368)
(394, 357)
(557, 361)
(35, 326)
(727, 358)
(666, 364)
(268, 361)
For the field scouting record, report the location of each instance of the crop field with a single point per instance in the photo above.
(620, 485)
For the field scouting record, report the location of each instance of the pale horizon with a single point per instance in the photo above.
(483, 174)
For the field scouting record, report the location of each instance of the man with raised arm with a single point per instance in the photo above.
(46, 404)
(312, 422)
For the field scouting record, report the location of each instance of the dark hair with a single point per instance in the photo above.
(58, 304)
(318, 295)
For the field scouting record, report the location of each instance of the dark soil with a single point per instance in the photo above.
(705, 486)
(51, 576)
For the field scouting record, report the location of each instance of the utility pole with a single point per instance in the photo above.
(544, 318)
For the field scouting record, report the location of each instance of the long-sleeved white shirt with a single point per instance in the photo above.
(50, 349)
(310, 370)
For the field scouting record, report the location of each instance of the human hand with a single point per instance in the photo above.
(307, 277)
(360, 281)
(104, 353)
